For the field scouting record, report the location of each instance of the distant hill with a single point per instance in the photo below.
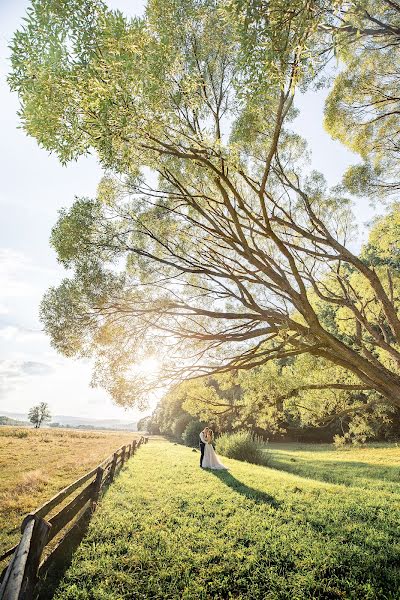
(68, 421)
(9, 421)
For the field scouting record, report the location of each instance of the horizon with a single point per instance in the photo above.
(12, 414)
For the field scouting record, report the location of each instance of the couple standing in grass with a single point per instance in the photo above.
(208, 457)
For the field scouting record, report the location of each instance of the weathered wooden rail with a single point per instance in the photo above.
(19, 579)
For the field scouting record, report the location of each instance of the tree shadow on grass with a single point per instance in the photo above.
(350, 473)
(257, 496)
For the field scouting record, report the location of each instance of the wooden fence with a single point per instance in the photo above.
(19, 579)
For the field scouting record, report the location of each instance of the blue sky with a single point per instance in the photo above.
(34, 186)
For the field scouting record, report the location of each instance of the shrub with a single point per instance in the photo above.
(15, 432)
(340, 441)
(21, 434)
(191, 434)
(243, 445)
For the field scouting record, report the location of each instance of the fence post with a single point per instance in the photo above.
(96, 488)
(21, 575)
(113, 466)
(123, 456)
(38, 542)
(133, 447)
(129, 451)
(13, 579)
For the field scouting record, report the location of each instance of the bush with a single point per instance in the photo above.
(243, 445)
(340, 441)
(17, 433)
(191, 434)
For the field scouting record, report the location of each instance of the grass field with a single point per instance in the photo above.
(166, 529)
(373, 467)
(35, 464)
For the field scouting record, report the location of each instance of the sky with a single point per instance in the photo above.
(34, 187)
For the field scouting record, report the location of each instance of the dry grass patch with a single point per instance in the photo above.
(35, 464)
(32, 481)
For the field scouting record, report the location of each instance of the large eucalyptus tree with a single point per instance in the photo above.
(210, 242)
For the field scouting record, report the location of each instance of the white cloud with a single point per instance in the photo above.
(17, 373)
(30, 370)
(64, 386)
(15, 369)
(22, 285)
(13, 333)
(19, 275)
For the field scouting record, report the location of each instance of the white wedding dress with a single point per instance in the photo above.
(211, 460)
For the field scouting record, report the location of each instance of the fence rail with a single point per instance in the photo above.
(19, 579)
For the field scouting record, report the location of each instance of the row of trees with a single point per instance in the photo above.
(254, 401)
(210, 241)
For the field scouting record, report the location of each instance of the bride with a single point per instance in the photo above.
(211, 460)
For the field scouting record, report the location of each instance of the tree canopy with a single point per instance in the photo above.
(210, 241)
(363, 107)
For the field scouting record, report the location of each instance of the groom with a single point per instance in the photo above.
(202, 444)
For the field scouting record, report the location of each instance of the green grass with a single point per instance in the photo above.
(166, 529)
(373, 467)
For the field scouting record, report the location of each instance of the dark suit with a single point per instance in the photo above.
(202, 446)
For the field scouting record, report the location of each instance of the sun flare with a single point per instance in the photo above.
(148, 367)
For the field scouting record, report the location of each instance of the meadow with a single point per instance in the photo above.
(35, 464)
(166, 529)
(373, 466)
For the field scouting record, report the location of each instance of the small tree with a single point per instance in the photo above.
(39, 414)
